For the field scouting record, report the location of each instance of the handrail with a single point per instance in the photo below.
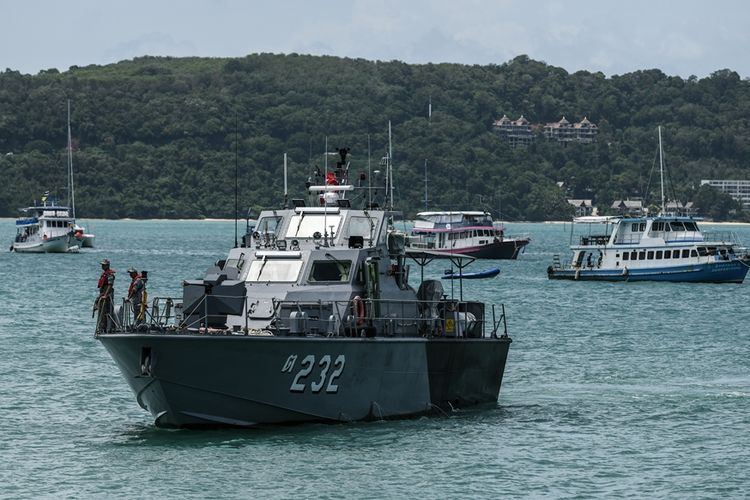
(332, 318)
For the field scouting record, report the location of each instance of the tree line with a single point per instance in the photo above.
(164, 137)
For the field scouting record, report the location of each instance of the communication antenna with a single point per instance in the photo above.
(390, 165)
(425, 184)
(369, 175)
(286, 190)
(661, 172)
(71, 190)
(325, 202)
(236, 172)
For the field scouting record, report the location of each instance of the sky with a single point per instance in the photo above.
(683, 38)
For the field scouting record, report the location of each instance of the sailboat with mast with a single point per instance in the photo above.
(662, 247)
(78, 236)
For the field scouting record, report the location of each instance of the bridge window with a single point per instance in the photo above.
(330, 270)
(282, 270)
(658, 255)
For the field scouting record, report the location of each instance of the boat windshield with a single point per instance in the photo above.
(268, 225)
(305, 225)
(362, 226)
(276, 270)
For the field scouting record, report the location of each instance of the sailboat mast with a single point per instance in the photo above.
(71, 190)
(661, 171)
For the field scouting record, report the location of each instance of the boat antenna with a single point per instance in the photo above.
(325, 202)
(236, 172)
(425, 184)
(286, 190)
(71, 190)
(661, 171)
(369, 175)
(390, 166)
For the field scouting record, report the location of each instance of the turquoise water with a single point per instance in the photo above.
(611, 390)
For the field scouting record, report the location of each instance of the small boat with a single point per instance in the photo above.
(470, 233)
(43, 228)
(487, 273)
(78, 235)
(312, 319)
(81, 238)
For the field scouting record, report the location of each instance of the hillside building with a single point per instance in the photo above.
(563, 131)
(737, 189)
(515, 132)
(583, 207)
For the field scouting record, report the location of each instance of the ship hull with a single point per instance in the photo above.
(58, 244)
(507, 249)
(203, 380)
(717, 272)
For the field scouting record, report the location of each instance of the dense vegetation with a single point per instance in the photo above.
(156, 137)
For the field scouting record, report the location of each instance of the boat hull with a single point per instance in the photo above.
(507, 249)
(58, 244)
(715, 272)
(203, 380)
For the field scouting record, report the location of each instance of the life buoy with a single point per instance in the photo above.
(358, 309)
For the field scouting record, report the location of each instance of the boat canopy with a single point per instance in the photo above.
(597, 219)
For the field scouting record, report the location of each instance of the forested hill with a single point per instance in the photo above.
(156, 137)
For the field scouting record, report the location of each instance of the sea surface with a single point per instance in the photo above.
(611, 390)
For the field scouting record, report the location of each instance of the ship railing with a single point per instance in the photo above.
(387, 317)
(162, 313)
(630, 239)
(335, 318)
(594, 240)
(724, 237)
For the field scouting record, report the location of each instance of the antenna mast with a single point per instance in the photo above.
(71, 190)
(369, 175)
(425, 183)
(286, 191)
(236, 172)
(661, 171)
(390, 166)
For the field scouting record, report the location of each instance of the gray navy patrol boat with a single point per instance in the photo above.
(311, 319)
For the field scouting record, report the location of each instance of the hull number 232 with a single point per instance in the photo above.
(324, 376)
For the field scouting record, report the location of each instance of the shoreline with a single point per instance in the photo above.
(212, 219)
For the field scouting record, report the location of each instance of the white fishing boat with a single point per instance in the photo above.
(43, 228)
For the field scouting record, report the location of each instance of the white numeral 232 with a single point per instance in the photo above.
(307, 366)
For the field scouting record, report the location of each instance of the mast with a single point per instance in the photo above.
(390, 167)
(286, 190)
(71, 190)
(661, 172)
(425, 184)
(325, 201)
(236, 173)
(369, 175)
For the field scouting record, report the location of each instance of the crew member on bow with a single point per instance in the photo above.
(135, 296)
(103, 302)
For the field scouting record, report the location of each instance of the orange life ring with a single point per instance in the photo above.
(358, 309)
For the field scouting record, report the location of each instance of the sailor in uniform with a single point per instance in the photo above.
(103, 302)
